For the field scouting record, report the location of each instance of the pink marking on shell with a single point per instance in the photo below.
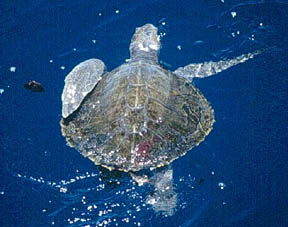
(143, 149)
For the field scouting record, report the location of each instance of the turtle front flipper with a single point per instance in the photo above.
(210, 68)
(79, 82)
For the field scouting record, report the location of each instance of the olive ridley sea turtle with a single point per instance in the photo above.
(139, 115)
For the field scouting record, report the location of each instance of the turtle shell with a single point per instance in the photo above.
(139, 116)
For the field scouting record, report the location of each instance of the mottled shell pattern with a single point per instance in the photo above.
(139, 115)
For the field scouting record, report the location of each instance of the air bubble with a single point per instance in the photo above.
(221, 185)
(233, 14)
(12, 69)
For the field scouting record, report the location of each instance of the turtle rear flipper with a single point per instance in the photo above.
(79, 82)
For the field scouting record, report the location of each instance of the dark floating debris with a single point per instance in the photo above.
(34, 86)
(201, 180)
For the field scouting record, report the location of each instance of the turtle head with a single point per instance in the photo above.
(145, 43)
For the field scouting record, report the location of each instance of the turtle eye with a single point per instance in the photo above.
(148, 33)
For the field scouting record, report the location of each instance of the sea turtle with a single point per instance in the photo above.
(140, 115)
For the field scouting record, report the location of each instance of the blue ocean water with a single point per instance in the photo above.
(236, 177)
